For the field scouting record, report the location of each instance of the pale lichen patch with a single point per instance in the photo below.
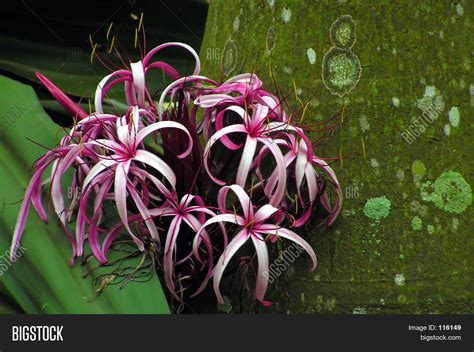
(396, 102)
(286, 15)
(450, 192)
(399, 279)
(377, 208)
(311, 56)
(454, 116)
(447, 129)
(341, 71)
(343, 32)
(236, 24)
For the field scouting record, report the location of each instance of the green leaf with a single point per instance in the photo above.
(70, 68)
(41, 280)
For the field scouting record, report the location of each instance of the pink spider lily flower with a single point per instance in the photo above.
(257, 131)
(134, 79)
(298, 165)
(124, 153)
(325, 201)
(194, 216)
(179, 85)
(254, 226)
(244, 85)
(242, 90)
(33, 196)
(60, 159)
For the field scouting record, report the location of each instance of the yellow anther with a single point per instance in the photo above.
(141, 22)
(363, 147)
(108, 30)
(93, 52)
(112, 44)
(304, 112)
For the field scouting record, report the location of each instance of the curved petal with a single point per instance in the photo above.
(194, 223)
(158, 184)
(156, 163)
(166, 124)
(138, 75)
(170, 246)
(177, 83)
(334, 213)
(277, 196)
(102, 86)
(260, 114)
(243, 197)
(264, 213)
(153, 51)
(246, 160)
(238, 241)
(235, 219)
(262, 271)
(24, 209)
(147, 217)
(300, 166)
(59, 168)
(121, 199)
(273, 179)
(311, 180)
(102, 165)
(108, 144)
(214, 138)
(166, 68)
(210, 100)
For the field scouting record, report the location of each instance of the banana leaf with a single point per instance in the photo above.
(41, 279)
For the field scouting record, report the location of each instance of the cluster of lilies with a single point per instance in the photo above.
(200, 173)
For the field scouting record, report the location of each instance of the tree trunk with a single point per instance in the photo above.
(416, 75)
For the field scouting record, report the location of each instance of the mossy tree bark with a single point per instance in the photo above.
(419, 257)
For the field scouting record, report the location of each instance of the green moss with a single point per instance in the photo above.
(377, 208)
(450, 192)
(343, 32)
(430, 229)
(416, 223)
(341, 71)
(418, 169)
